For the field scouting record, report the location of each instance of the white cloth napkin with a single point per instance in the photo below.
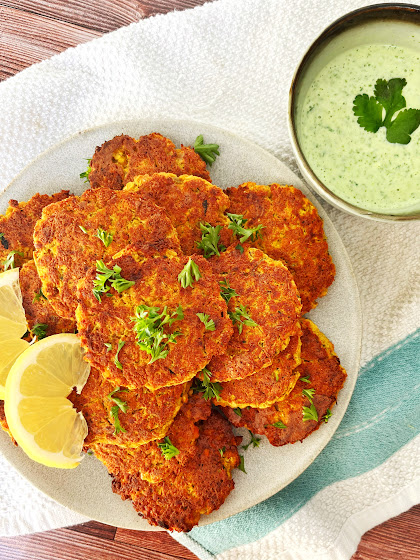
(228, 63)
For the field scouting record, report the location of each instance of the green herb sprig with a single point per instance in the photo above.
(168, 449)
(119, 405)
(279, 424)
(189, 273)
(38, 296)
(116, 359)
(39, 330)
(237, 222)
(226, 291)
(113, 276)
(388, 98)
(85, 174)
(309, 412)
(207, 152)
(210, 390)
(241, 317)
(210, 240)
(208, 323)
(241, 466)
(149, 323)
(327, 415)
(10, 260)
(104, 236)
(254, 441)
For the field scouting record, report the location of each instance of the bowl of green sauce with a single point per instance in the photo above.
(354, 113)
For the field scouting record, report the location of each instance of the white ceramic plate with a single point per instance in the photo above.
(87, 489)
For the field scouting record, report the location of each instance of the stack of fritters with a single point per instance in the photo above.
(237, 342)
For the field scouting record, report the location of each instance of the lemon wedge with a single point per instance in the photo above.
(9, 351)
(12, 315)
(40, 417)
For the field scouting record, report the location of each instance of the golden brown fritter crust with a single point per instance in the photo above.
(148, 460)
(266, 289)
(198, 487)
(64, 253)
(3, 423)
(157, 285)
(269, 385)
(118, 161)
(188, 201)
(17, 226)
(293, 232)
(37, 308)
(148, 416)
(326, 376)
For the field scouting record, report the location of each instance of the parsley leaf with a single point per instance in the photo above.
(241, 317)
(207, 152)
(39, 330)
(210, 238)
(237, 221)
(279, 424)
(327, 415)
(117, 424)
(310, 413)
(119, 405)
(168, 449)
(369, 112)
(241, 466)
(208, 323)
(405, 123)
(38, 296)
(83, 229)
(308, 393)
(226, 291)
(255, 442)
(10, 260)
(305, 379)
(185, 277)
(388, 98)
(116, 360)
(104, 236)
(85, 174)
(149, 331)
(210, 390)
(222, 451)
(108, 346)
(237, 411)
(114, 277)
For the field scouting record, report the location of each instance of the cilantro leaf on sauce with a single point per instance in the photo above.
(405, 124)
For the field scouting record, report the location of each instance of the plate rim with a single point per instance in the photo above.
(350, 381)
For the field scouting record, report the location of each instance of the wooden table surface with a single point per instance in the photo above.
(31, 31)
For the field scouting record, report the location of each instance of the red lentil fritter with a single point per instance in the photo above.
(147, 417)
(269, 385)
(293, 232)
(118, 161)
(3, 423)
(188, 201)
(37, 308)
(189, 490)
(17, 226)
(156, 285)
(267, 293)
(326, 376)
(67, 243)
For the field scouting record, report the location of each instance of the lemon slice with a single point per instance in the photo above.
(40, 417)
(12, 315)
(9, 351)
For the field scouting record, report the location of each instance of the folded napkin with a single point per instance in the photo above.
(230, 63)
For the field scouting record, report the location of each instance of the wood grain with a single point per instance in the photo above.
(31, 31)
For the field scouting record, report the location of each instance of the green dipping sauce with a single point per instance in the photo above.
(361, 167)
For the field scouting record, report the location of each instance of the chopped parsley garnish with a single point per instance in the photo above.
(241, 466)
(208, 323)
(83, 229)
(327, 415)
(207, 152)
(116, 360)
(308, 393)
(210, 390)
(255, 442)
(279, 424)
(85, 174)
(104, 236)
(108, 346)
(38, 296)
(388, 97)
(113, 276)
(237, 411)
(241, 317)
(210, 238)
(10, 260)
(190, 270)
(168, 449)
(149, 331)
(119, 405)
(237, 221)
(305, 379)
(222, 451)
(39, 330)
(226, 291)
(239, 248)
(310, 413)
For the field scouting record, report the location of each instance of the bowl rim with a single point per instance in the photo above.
(348, 20)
